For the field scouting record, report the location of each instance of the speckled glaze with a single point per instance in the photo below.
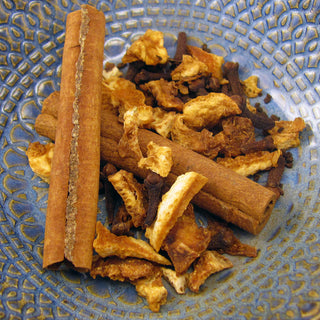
(276, 40)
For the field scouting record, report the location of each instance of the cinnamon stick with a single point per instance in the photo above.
(74, 180)
(232, 197)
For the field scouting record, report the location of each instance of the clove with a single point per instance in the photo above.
(260, 145)
(181, 48)
(153, 183)
(260, 121)
(146, 76)
(231, 72)
(275, 175)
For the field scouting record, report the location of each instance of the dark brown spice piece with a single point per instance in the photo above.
(275, 175)
(153, 183)
(122, 222)
(202, 92)
(181, 47)
(197, 84)
(259, 120)
(260, 110)
(205, 48)
(267, 98)
(111, 196)
(213, 84)
(121, 65)
(225, 88)
(224, 241)
(231, 72)
(260, 145)
(146, 76)
(274, 117)
(109, 66)
(289, 158)
(133, 69)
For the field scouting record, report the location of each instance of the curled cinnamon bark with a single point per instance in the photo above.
(73, 194)
(228, 195)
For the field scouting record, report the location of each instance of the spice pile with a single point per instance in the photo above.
(197, 101)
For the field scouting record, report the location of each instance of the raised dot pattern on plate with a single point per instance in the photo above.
(276, 40)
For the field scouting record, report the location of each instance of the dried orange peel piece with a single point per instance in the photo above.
(159, 159)
(172, 206)
(211, 60)
(40, 157)
(149, 48)
(206, 111)
(251, 163)
(107, 244)
(131, 193)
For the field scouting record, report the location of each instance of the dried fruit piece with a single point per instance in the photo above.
(250, 87)
(189, 69)
(149, 48)
(152, 289)
(212, 61)
(129, 142)
(251, 163)
(108, 244)
(117, 269)
(131, 193)
(209, 263)
(206, 111)
(172, 206)
(159, 159)
(178, 281)
(285, 134)
(165, 93)
(186, 241)
(162, 121)
(40, 157)
(200, 141)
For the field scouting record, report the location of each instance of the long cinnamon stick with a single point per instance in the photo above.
(227, 194)
(74, 180)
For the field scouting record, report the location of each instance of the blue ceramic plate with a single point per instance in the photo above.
(276, 40)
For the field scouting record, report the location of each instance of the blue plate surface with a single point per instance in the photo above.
(278, 41)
